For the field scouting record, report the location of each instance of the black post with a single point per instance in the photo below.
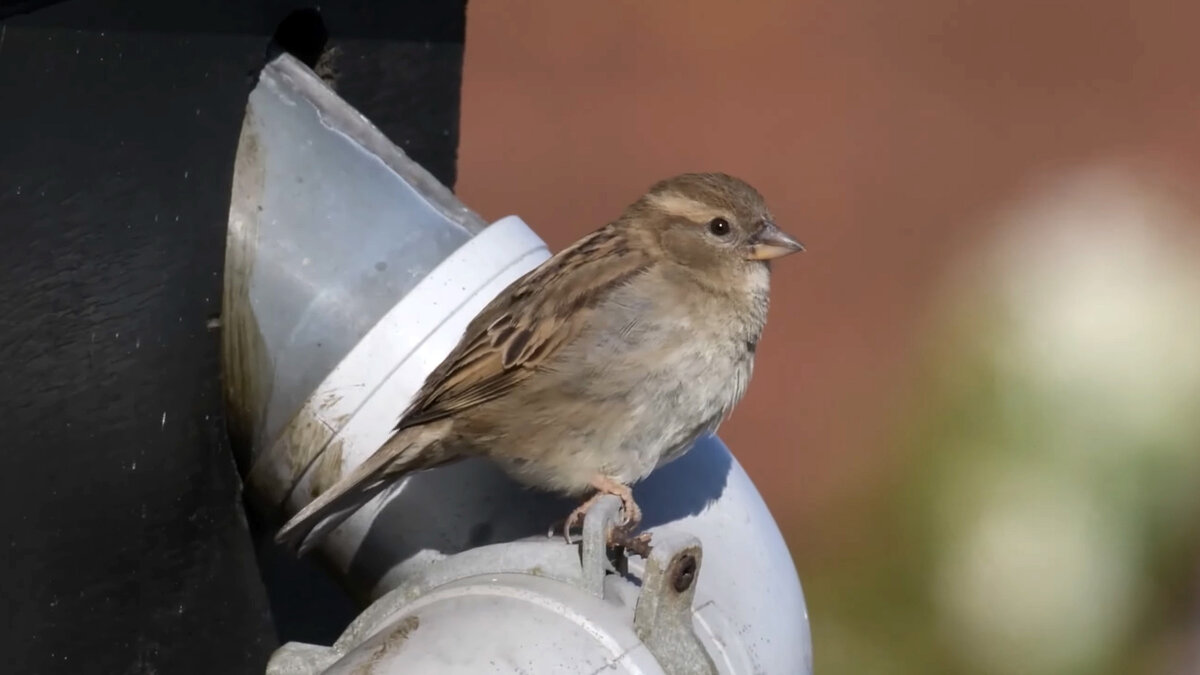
(125, 547)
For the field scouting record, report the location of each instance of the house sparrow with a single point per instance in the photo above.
(600, 365)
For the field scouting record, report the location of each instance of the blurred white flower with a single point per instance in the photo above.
(1037, 582)
(1096, 282)
(1100, 276)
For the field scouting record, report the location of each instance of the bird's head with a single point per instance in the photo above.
(710, 221)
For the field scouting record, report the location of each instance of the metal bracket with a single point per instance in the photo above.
(663, 615)
(604, 515)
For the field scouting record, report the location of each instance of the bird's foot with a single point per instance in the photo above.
(604, 486)
(575, 518)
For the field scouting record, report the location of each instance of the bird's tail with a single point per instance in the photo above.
(410, 450)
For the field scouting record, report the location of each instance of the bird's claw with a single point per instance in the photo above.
(566, 525)
(619, 535)
(573, 520)
(631, 512)
(631, 517)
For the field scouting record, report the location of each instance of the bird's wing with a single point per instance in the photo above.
(517, 332)
(526, 325)
(410, 451)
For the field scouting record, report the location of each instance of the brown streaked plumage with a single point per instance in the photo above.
(603, 363)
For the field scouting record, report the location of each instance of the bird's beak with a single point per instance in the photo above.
(771, 242)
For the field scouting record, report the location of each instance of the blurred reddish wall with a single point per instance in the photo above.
(881, 133)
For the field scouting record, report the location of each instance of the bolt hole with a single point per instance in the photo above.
(302, 34)
(684, 574)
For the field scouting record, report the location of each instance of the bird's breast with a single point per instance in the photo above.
(653, 368)
(660, 372)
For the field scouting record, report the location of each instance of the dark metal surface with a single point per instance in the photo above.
(125, 545)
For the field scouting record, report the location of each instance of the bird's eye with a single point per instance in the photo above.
(718, 226)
